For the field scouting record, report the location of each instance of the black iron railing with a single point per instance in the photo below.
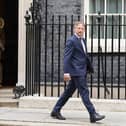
(33, 50)
(106, 43)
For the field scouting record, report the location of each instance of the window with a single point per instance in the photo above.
(110, 15)
(112, 12)
(96, 6)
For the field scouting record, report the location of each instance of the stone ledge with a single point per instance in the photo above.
(72, 104)
(6, 102)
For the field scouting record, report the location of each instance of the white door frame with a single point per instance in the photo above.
(23, 6)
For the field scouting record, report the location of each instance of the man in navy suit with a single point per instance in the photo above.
(76, 66)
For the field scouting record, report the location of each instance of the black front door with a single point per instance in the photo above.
(2, 38)
(10, 60)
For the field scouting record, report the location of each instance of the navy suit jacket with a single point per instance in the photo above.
(75, 59)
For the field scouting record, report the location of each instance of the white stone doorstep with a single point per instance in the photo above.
(72, 104)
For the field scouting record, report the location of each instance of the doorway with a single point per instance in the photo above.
(10, 53)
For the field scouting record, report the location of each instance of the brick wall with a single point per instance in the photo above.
(56, 8)
(60, 7)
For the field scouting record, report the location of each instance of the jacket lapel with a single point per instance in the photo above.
(79, 44)
(85, 44)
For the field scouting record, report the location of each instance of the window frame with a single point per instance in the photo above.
(102, 40)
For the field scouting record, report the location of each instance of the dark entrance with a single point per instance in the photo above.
(10, 54)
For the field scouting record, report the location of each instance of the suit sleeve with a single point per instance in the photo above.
(67, 56)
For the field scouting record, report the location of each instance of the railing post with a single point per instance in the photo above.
(98, 20)
(27, 20)
(33, 47)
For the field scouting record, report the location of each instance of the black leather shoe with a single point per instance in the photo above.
(57, 115)
(96, 117)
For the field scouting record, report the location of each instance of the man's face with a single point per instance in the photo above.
(79, 30)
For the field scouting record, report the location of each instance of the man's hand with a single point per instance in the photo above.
(67, 77)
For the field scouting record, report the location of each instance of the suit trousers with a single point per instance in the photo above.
(76, 82)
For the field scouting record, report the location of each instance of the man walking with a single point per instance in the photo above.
(76, 66)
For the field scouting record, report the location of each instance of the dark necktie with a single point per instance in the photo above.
(83, 45)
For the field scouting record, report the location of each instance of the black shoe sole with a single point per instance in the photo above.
(95, 120)
(55, 117)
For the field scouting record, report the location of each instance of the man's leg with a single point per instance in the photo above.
(70, 89)
(81, 84)
(62, 100)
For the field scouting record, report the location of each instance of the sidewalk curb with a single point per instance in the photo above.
(72, 104)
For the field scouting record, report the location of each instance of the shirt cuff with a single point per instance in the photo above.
(67, 74)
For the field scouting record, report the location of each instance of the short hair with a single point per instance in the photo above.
(77, 23)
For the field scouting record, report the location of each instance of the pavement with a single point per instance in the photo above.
(41, 117)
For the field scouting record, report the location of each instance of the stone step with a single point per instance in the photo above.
(6, 92)
(7, 102)
(6, 98)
